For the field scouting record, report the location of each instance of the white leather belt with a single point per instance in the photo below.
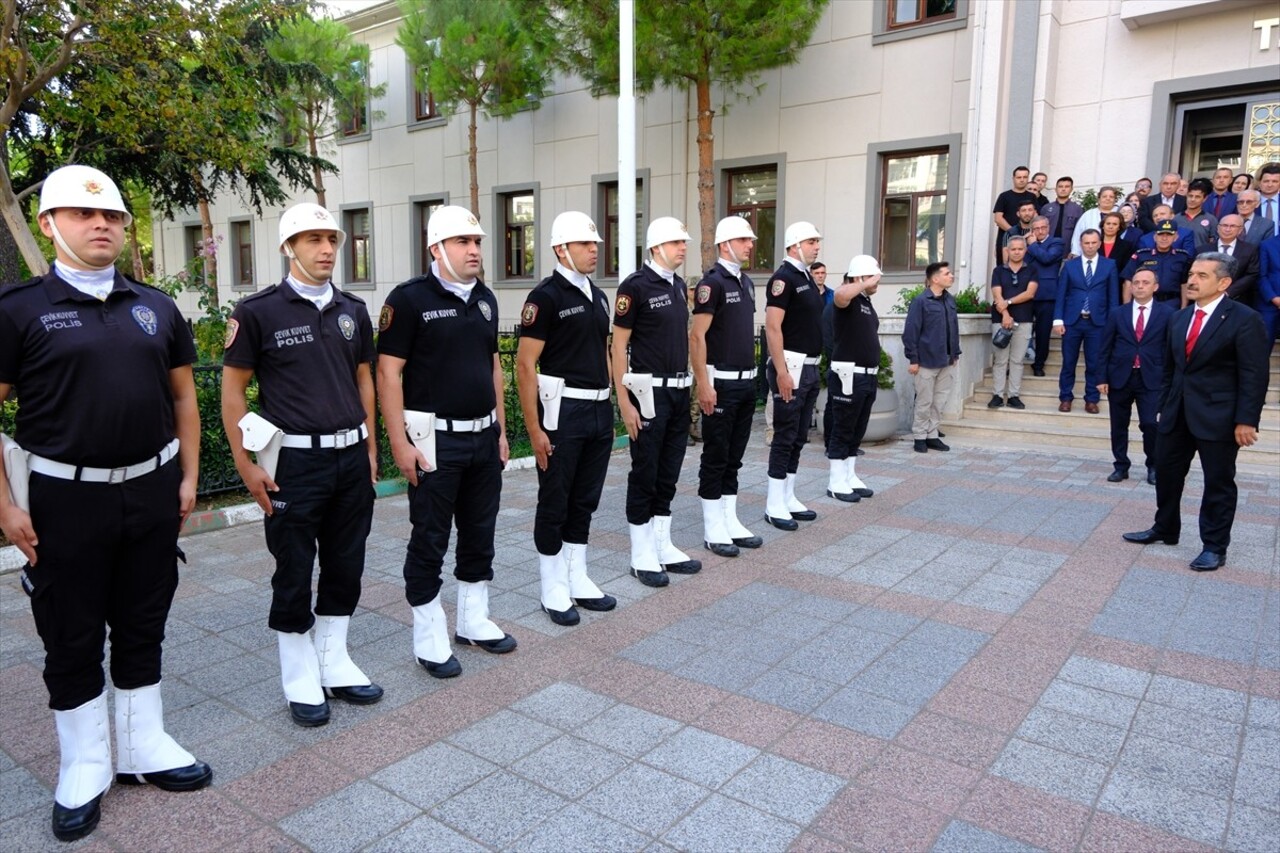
(477, 425)
(63, 471)
(810, 359)
(596, 394)
(717, 373)
(868, 370)
(328, 441)
(680, 380)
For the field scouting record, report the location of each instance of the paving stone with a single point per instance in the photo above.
(1258, 785)
(715, 668)
(790, 690)
(583, 830)
(1253, 830)
(962, 837)
(1109, 708)
(628, 730)
(645, 798)
(1197, 731)
(426, 833)
(350, 818)
(865, 712)
(1105, 676)
(1186, 813)
(726, 825)
(20, 792)
(433, 774)
(569, 766)
(504, 737)
(1201, 698)
(499, 808)
(784, 788)
(1049, 770)
(1076, 735)
(661, 652)
(707, 759)
(566, 706)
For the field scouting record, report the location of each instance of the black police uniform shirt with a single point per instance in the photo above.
(1170, 268)
(731, 338)
(92, 376)
(305, 358)
(857, 328)
(657, 313)
(574, 330)
(794, 292)
(1013, 283)
(448, 346)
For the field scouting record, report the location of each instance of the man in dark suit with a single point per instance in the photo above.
(1044, 256)
(1087, 288)
(1245, 282)
(1268, 299)
(1221, 202)
(1168, 195)
(1256, 226)
(1215, 382)
(1133, 347)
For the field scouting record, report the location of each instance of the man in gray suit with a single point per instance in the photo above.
(1256, 226)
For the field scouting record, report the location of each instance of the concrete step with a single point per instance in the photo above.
(1044, 412)
(1047, 386)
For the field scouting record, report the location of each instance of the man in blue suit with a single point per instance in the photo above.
(1133, 349)
(1268, 299)
(1087, 289)
(1044, 256)
(1221, 202)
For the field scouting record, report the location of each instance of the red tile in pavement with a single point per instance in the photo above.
(994, 711)
(146, 818)
(974, 618)
(1056, 613)
(871, 820)
(810, 842)
(1266, 682)
(1108, 833)
(1121, 652)
(1025, 813)
(1020, 673)
(270, 840)
(289, 785)
(377, 594)
(829, 748)
(914, 605)
(1219, 673)
(920, 778)
(508, 683)
(952, 740)
(617, 677)
(678, 698)
(745, 720)
(1028, 632)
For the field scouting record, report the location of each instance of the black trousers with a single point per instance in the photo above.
(657, 454)
(725, 433)
(850, 413)
(463, 490)
(791, 421)
(1120, 402)
(1041, 330)
(325, 505)
(1174, 450)
(569, 490)
(107, 558)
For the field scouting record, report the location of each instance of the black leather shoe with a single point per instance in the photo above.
(1151, 476)
(449, 669)
(781, 523)
(1208, 561)
(995, 402)
(193, 777)
(1013, 403)
(1149, 536)
(936, 444)
(861, 452)
(749, 542)
(805, 515)
(920, 446)
(356, 694)
(597, 605)
(563, 617)
(721, 549)
(654, 579)
(1037, 371)
(684, 567)
(847, 497)
(941, 434)
(309, 716)
(1118, 475)
(494, 647)
(70, 824)
(864, 493)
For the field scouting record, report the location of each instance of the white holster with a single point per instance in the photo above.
(421, 429)
(263, 438)
(795, 365)
(550, 392)
(17, 472)
(844, 369)
(641, 385)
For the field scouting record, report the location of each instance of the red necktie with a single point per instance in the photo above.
(1138, 330)
(1195, 331)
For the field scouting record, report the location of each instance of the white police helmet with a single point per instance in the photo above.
(82, 186)
(798, 232)
(307, 217)
(862, 266)
(665, 229)
(573, 226)
(733, 228)
(452, 221)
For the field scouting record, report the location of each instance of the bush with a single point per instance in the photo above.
(968, 301)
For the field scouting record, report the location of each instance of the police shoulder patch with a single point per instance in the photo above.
(622, 306)
(233, 327)
(384, 318)
(704, 294)
(777, 286)
(529, 314)
(485, 310)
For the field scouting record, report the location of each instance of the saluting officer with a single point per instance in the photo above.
(564, 331)
(311, 346)
(440, 385)
(1170, 265)
(651, 361)
(793, 329)
(96, 494)
(722, 349)
(851, 381)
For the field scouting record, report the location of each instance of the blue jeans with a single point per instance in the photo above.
(1082, 331)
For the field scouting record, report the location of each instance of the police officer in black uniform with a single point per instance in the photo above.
(564, 330)
(98, 489)
(793, 329)
(441, 391)
(311, 346)
(722, 350)
(651, 335)
(1169, 264)
(851, 380)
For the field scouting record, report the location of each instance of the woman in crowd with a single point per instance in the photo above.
(1114, 244)
(1107, 197)
(1242, 182)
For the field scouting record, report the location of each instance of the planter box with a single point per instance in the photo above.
(975, 358)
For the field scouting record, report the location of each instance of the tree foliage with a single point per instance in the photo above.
(481, 56)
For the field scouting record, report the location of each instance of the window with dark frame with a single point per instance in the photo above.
(753, 195)
(357, 120)
(424, 104)
(242, 241)
(423, 211)
(913, 209)
(914, 13)
(611, 233)
(193, 238)
(360, 246)
(519, 252)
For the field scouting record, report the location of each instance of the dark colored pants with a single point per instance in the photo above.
(657, 454)
(1174, 450)
(463, 490)
(791, 421)
(725, 433)
(1042, 330)
(325, 504)
(1082, 331)
(1120, 403)
(107, 558)
(850, 413)
(569, 490)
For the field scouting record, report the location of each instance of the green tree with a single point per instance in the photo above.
(476, 55)
(691, 44)
(326, 82)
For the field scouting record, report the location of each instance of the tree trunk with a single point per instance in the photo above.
(139, 271)
(210, 255)
(317, 174)
(15, 222)
(10, 260)
(706, 177)
(471, 163)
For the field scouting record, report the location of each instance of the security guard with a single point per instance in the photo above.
(651, 334)
(441, 389)
(722, 349)
(564, 330)
(793, 329)
(1169, 264)
(311, 346)
(851, 381)
(95, 495)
